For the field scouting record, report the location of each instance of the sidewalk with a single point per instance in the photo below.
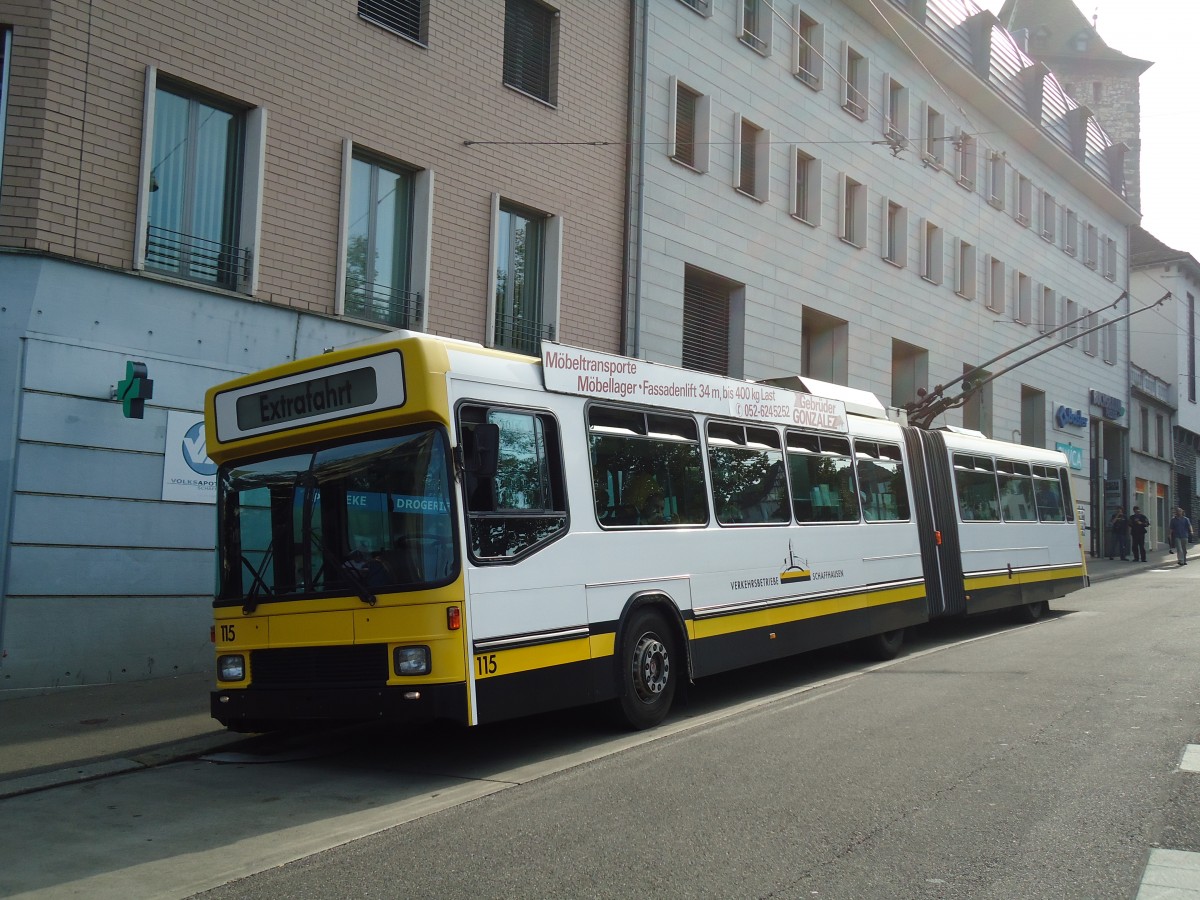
(79, 733)
(62, 735)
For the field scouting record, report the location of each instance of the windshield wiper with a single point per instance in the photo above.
(349, 569)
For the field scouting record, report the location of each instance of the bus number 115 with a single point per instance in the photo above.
(485, 665)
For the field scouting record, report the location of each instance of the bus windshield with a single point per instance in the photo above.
(358, 518)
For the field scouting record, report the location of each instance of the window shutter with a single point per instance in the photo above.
(400, 16)
(528, 37)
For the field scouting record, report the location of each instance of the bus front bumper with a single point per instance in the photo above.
(269, 709)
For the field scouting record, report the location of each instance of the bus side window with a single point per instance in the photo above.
(646, 468)
(881, 485)
(522, 504)
(975, 482)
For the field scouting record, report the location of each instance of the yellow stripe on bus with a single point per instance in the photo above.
(527, 659)
(781, 615)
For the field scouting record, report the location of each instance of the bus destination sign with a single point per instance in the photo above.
(570, 370)
(333, 392)
(347, 390)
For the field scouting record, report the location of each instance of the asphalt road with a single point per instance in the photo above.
(990, 761)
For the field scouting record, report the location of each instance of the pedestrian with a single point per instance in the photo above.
(1138, 525)
(1119, 526)
(1180, 530)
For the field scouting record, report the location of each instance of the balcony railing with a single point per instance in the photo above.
(196, 258)
(522, 336)
(385, 305)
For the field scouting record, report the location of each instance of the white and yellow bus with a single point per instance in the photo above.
(423, 528)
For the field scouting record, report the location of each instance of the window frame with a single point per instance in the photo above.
(933, 252)
(933, 136)
(856, 81)
(389, 23)
(894, 247)
(755, 34)
(250, 178)
(419, 231)
(756, 164)
(549, 278)
(997, 276)
(966, 271)
(808, 50)
(852, 211)
(519, 70)
(805, 203)
(701, 127)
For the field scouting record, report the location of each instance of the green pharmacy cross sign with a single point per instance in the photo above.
(135, 390)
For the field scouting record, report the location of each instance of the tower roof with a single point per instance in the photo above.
(1059, 32)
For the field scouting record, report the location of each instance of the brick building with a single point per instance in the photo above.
(213, 187)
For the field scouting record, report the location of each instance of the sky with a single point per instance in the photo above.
(1165, 32)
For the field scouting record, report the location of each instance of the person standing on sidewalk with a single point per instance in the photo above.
(1138, 525)
(1180, 530)
(1119, 526)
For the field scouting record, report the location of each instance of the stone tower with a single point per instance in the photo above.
(1093, 74)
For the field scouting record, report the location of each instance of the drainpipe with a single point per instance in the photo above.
(631, 325)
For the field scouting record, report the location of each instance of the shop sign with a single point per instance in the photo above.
(1066, 417)
(1111, 407)
(1074, 454)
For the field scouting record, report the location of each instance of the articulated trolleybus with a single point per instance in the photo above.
(422, 528)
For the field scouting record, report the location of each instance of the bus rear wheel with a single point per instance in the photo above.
(647, 662)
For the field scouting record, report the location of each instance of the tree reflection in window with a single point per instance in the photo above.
(882, 489)
(522, 504)
(748, 480)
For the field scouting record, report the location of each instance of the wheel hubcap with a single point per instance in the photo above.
(651, 667)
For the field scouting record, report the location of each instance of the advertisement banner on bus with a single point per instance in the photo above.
(588, 373)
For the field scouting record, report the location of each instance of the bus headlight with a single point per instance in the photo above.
(411, 660)
(231, 667)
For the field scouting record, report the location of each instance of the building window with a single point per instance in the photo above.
(1110, 343)
(197, 173)
(530, 41)
(5, 66)
(407, 18)
(1049, 216)
(1033, 417)
(704, 7)
(1144, 428)
(856, 74)
(852, 211)
(977, 410)
(997, 178)
(689, 127)
(751, 158)
(895, 233)
(1048, 310)
(910, 372)
(378, 264)
(1023, 302)
(806, 188)
(1023, 201)
(526, 253)
(1091, 337)
(1070, 231)
(1159, 436)
(966, 159)
(964, 273)
(1090, 246)
(932, 252)
(809, 46)
(824, 347)
(994, 270)
(711, 322)
(1110, 259)
(1070, 314)
(756, 25)
(895, 119)
(933, 151)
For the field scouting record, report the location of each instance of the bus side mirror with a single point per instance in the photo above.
(481, 450)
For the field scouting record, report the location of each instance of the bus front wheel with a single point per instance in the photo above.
(648, 670)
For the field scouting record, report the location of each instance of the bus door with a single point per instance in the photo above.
(937, 522)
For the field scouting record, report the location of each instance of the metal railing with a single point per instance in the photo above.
(522, 336)
(196, 258)
(383, 304)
